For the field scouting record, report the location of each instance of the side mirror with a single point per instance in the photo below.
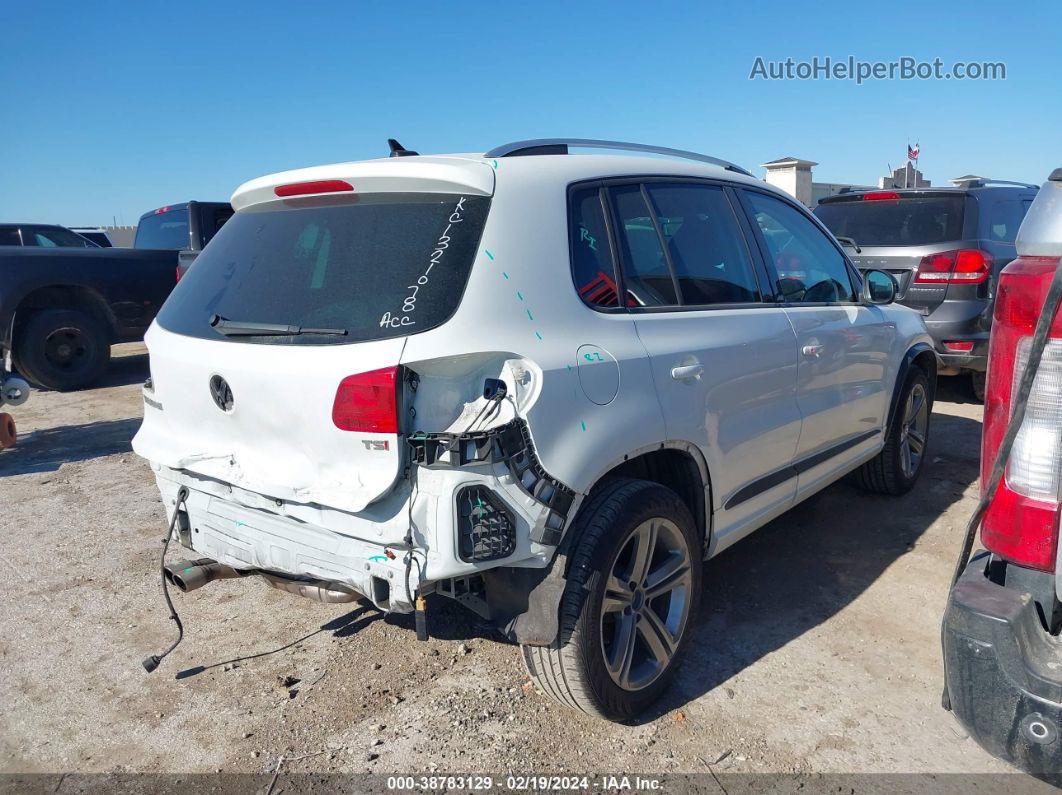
(879, 287)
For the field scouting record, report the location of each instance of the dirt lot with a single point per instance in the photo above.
(817, 649)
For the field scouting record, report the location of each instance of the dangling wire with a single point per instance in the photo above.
(410, 556)
(152, 662)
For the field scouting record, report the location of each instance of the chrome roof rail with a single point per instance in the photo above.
(982, 182)
(559, 146)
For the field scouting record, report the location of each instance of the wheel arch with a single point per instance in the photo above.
(68, 297)
(679, 465)
(920, 355)
(531, 598)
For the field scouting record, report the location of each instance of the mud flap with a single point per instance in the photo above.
(524, 602)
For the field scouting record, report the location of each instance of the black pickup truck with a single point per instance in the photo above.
(185, 227)
(61, 309)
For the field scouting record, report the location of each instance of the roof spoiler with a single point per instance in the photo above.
(560, 146)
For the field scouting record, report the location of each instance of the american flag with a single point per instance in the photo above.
(912, 152)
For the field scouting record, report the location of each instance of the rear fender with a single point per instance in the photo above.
(447, 393)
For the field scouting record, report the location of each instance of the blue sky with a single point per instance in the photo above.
(111, 110)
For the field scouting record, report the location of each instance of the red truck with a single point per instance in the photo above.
(1001, 633)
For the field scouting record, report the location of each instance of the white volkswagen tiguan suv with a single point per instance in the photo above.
(549, 386)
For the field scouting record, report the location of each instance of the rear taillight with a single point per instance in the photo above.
(368, 402)
(963, 266)
(959, 346)
(1021, 523)
(178, 274)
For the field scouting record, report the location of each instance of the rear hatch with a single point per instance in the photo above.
(895, 231)
(309, 411)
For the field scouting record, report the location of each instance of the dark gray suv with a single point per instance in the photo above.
(945, 247)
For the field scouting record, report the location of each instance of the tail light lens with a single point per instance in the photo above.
(178, 274)
(317, 186)
(962, 266)
(1021, 524)
(368, 402)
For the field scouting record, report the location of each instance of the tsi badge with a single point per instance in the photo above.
(376, 444)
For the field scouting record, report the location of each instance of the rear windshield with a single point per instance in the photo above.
(377, 265)
(165, 230)
(917, 221)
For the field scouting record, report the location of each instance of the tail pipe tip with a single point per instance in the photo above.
(188, 575)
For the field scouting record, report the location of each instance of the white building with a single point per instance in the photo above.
(793, 175)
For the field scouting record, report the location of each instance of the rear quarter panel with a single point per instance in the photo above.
(594, 400)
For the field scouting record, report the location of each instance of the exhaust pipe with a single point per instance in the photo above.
(187, 575)
(330, 593)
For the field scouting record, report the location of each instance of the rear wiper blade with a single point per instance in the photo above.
(241, 328)
(848, 241)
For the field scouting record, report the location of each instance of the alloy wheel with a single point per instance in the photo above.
(646, 604)
(913, 431)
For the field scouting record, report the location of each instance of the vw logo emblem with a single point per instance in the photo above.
(221, 393)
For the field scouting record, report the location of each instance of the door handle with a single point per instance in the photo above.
(687, 371)
(812, 351)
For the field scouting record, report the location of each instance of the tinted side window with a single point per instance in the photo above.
(1004, 219)
(810, 268)
(645, 272)
(706, 247)
(592, 266)
(9, 237)
(54, 237)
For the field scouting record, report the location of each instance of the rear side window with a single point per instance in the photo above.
(212, 221)
(1004, 218)
(706, 248)
(10, 237)
(646, 276)
(377, 265)
(163, 230)
(592, 267)
(914, 221)
(53, 237)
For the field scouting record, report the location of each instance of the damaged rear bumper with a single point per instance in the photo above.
(367, 551)
(1004, 673)
(252, 534)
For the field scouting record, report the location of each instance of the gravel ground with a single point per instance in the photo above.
(817, 650)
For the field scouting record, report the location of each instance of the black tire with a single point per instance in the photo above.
(886, 472)
(573, 670)
(977, 381)
(62, 349)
